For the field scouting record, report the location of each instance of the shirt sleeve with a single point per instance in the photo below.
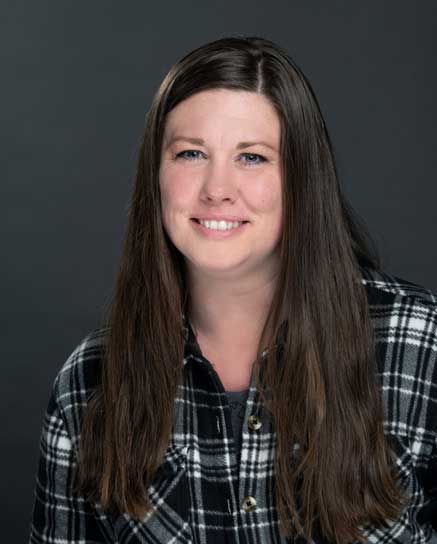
(60, 516)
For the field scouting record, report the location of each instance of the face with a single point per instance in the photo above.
(220, 169)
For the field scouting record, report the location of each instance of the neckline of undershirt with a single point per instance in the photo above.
(237, 393)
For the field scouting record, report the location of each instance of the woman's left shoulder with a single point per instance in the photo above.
(379, 283)
(404, 318)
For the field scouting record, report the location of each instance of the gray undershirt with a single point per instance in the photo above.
(237, 403)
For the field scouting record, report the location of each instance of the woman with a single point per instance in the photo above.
(245, 281)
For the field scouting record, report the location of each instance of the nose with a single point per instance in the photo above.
(219, 182)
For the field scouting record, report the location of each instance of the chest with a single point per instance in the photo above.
(201, 493)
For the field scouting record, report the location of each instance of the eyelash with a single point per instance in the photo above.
(260, 157)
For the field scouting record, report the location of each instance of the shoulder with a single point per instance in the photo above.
(379, 283)
(77, 379)
(402, 311)
(404, 318)
(81, 370)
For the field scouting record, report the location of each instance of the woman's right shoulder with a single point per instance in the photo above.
(78, 377)
(82, 369)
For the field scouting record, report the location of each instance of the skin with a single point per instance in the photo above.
(231, 280)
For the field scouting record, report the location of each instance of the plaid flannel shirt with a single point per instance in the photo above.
(199, 493)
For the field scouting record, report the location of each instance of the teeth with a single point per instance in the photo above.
(220, 225)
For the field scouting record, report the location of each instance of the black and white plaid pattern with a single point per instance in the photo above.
(200, 494)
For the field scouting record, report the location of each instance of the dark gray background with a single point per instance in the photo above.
(77, 79)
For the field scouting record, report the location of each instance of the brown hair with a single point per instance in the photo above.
(326, 395)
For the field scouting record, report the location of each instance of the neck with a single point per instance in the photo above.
(224, 309)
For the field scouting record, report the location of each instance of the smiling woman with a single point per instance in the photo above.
(219, 187)
(258, 377)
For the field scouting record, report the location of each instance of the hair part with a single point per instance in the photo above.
(326, 395)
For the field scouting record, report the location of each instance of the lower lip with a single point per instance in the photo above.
(218, 234)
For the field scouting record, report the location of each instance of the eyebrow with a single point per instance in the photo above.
(199, 141)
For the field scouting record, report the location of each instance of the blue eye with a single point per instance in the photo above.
(188, 155)
(255, 159)
(250, 159)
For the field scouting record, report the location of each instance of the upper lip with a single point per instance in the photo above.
(229, 218)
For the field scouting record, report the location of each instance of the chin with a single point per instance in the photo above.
(215, 266)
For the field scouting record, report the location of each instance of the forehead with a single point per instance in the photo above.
(223, 110)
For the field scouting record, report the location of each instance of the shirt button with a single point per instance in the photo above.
(248, 504)
(254, 423)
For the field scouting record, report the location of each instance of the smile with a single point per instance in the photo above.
(220, 225)
(219, 229)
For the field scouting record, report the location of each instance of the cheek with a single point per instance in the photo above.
(175, 193)
(265, 197)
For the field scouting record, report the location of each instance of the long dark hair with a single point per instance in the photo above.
(326, 394)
